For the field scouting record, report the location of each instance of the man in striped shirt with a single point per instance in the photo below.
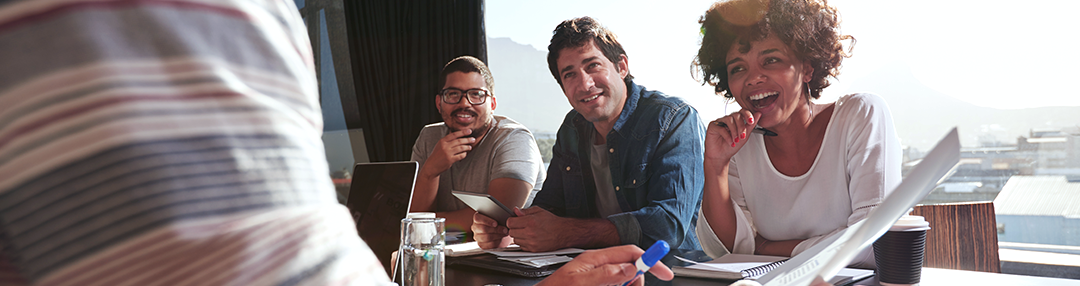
(166, 142)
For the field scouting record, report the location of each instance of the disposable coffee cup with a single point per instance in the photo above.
(899, 253)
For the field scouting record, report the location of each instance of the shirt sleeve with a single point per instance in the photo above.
(420, 149)
(552, 197)
(674, 185)
(516, 158)
(744, 220)
(873, 161)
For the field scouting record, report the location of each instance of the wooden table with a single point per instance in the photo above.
(471, 276)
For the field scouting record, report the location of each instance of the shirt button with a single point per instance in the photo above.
(616, 188)
(612, 150)
(568, 168)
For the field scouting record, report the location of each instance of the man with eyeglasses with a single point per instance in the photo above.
(472, 150)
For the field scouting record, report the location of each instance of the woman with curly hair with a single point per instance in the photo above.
(819, 167)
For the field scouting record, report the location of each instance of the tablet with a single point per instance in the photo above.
(486, 205)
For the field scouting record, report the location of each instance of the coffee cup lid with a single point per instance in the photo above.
(910, 223)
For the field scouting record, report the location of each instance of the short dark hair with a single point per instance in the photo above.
(467, 64)
(809, 27)
(578, 32)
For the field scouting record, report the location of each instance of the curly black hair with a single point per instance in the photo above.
(467, 64)
(809, 27)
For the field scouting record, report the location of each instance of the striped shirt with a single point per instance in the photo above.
(166, 142)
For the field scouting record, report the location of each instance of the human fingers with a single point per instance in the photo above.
(609, 274)
(517, 222)
(582, 272)
(488, 240)
(483, 220)
(457, 138)
(749, 122)
(628, 253)
(662, 271)
(498, 231)
(529, 211)
(720, 131)
(731, 125)
(464, 141)
(459, 133)
(612, 265)
(456, 147)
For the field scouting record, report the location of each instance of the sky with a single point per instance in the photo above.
(997, 54)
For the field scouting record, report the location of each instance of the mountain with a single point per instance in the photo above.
(923, 115)
(528, 93)
(524, 87)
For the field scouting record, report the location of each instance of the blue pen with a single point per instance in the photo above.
(649, 258)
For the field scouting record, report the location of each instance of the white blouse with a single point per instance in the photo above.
(857, 165)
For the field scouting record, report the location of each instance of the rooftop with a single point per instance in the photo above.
(1048, 140)
(1039, 196)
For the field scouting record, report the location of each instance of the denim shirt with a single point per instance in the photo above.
(656, 153)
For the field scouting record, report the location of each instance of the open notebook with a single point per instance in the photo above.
(746, 266)
(832, 254)
(731, 266)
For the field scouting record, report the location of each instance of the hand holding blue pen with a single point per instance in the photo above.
(608, 266)
(649, 258)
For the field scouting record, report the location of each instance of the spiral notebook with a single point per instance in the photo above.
(731, 267)
(745, 266)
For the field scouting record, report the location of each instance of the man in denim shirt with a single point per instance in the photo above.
(627, 161)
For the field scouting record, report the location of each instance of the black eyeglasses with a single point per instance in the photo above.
(453, 96)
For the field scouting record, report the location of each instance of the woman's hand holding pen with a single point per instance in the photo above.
(726, 135)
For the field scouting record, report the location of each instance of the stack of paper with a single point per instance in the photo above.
(463, 249)
(514, 253)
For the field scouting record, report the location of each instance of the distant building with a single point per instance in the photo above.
(1055, 152)
(1039, 209)
(981, 174)
(984, 170)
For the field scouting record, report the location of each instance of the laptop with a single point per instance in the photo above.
(830, 255)
(378, 199)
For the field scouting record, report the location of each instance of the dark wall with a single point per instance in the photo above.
(398, 48)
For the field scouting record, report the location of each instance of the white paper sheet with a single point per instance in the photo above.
(830, 255)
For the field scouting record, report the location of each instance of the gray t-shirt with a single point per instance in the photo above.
(606, 202)
(507, 151)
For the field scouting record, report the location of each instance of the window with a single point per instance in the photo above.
(344, 147)
(998, 71)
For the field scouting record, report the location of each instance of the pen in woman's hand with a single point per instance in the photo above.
(757, 129)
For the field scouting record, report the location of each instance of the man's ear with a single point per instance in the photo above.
(623, 66)
(437, 105)
(493, 102)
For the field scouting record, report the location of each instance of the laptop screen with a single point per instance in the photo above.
(378, 199)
